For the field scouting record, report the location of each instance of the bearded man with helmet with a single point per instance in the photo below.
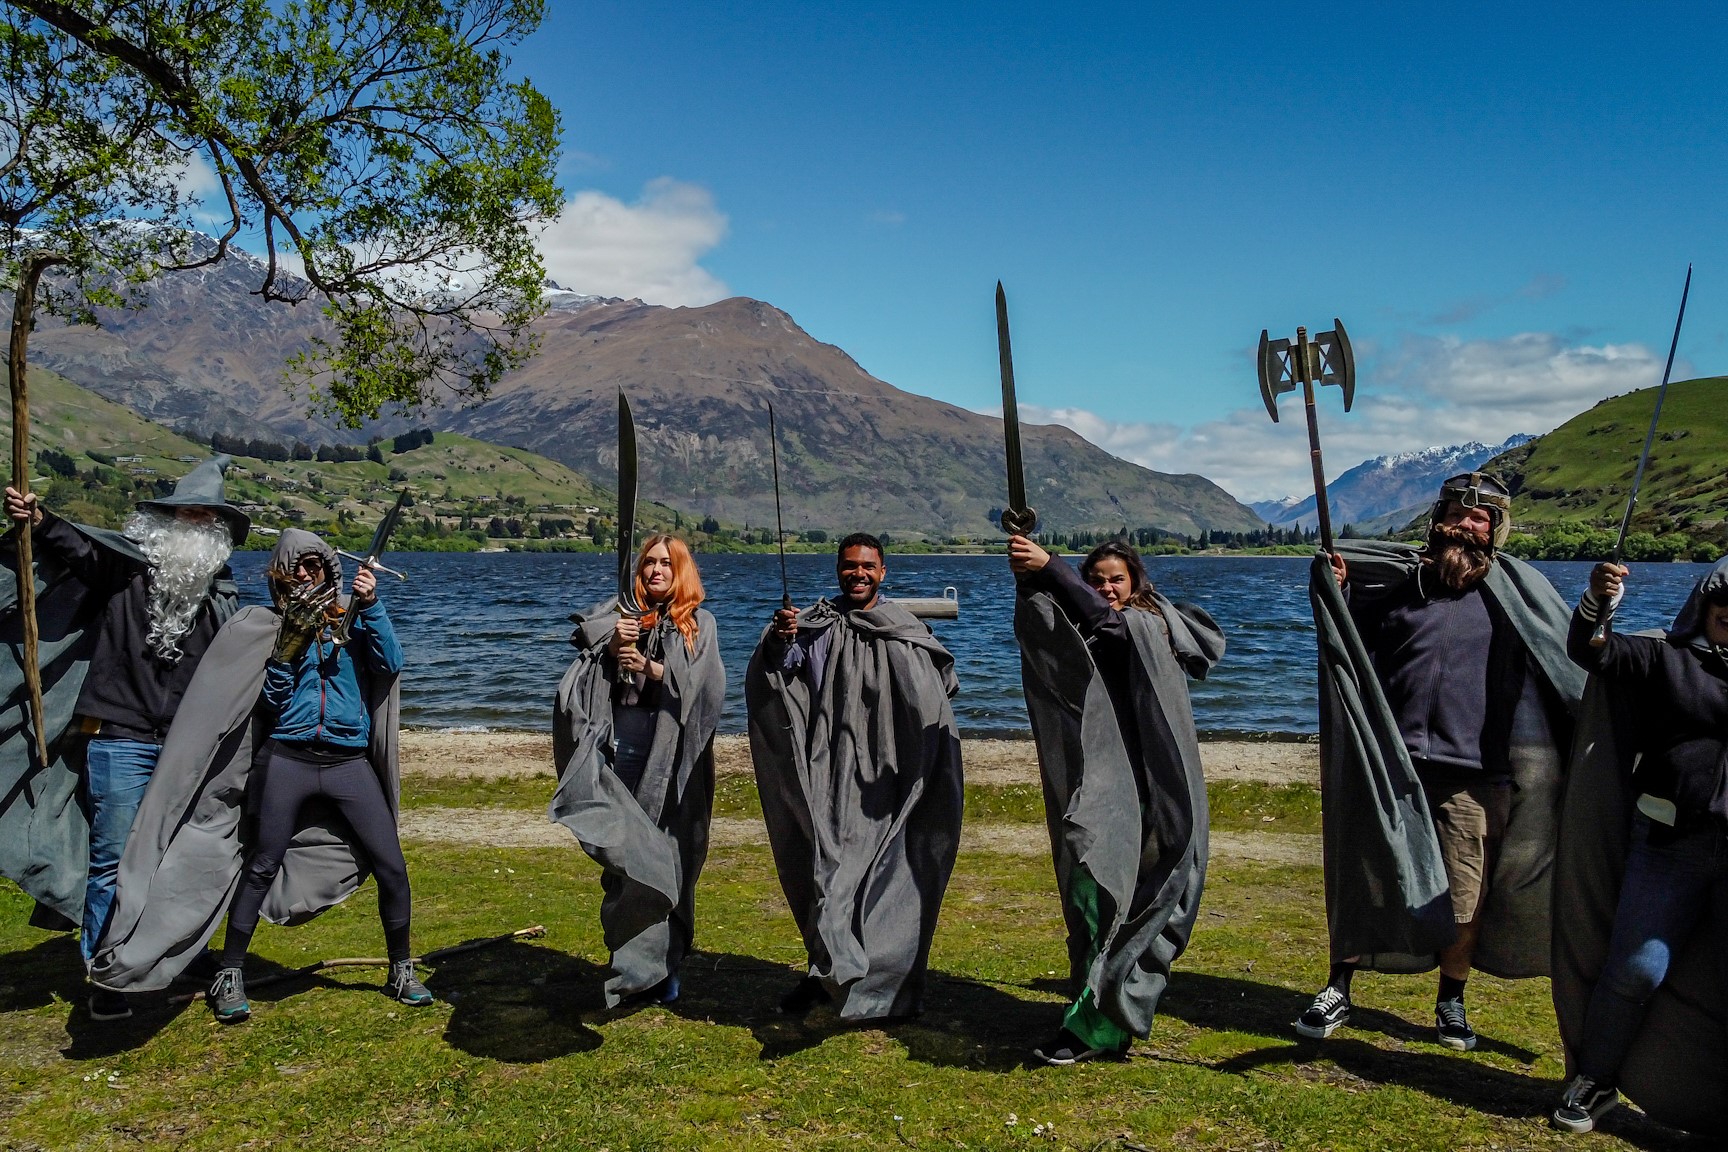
(1446, 703)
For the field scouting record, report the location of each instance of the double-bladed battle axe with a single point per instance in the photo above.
(1326, 359)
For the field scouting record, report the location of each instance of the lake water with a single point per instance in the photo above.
(487, 636)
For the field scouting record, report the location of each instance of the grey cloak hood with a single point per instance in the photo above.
(1135, 824)
(862, 794)
(44, 829)
(1387, 899)
(1677, 1069)
(188, 842)
(650, 844)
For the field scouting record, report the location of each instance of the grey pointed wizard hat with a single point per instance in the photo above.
(202, 488)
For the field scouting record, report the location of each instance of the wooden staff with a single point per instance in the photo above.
(30, 271)
(533, 933)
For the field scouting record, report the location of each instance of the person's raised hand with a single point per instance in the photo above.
(1024, 555)
(365, 586)
(786, 623)
(1340, 570)
(21, 506)
(1607, 579)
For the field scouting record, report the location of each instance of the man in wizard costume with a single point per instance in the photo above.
(1446, 700)
(126, 619)
(858, 762)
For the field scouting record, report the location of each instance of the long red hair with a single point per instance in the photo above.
(687, 594)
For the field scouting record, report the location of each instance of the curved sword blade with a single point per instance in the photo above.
(1019, 517)
(626, 507)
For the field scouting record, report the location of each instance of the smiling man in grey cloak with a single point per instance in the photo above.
(1446, 705)
(858, 763)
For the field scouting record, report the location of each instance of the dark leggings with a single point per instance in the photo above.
(353, 787)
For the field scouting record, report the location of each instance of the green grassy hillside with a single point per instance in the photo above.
(1581, 472)
(460, 486)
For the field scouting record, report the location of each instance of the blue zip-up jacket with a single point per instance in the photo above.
(319, 697)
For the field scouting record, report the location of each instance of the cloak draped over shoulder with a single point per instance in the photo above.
(861, 791)
(44, 829)
(1127, 809)
(650, 843)
(1387, 898)
(1677, 1069)
(188, 842)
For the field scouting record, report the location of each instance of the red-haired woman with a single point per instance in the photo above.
(633, 738)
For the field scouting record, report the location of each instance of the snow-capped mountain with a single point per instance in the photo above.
(1384, 485)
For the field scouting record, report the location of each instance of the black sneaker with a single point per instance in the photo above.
(1453, 1026)
(1331, 1008)
(805, 995)
(107, 1004)
(1066, 1048)
(228, 997)
(405, 987)
(1584, 1103)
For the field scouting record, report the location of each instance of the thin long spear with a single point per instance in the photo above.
(17, 370)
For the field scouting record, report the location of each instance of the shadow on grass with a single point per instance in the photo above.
(1225, 1003)
(966, 1023)
(520, 1003)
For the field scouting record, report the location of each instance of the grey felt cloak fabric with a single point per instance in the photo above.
(1677, 1069)
(188, 842)
(650, 843)
(44, 830)
(1387, 898)
(1135, 823)
(861, 791)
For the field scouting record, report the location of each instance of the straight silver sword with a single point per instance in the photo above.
(1600, 637)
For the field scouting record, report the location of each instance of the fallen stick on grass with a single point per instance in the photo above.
(434, 957)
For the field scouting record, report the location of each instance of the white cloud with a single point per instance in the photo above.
(1424, 392)
(649, 249)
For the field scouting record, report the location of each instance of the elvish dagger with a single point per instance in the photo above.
(1019, 518)
(627, 602)
(374, 550)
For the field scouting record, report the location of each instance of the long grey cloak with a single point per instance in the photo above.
(1677, 1069)
(650, 843)
(44, 829)
(1136, 824)
(862, 794)
(188, 842)
(1387, 899)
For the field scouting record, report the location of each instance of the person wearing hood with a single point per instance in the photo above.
(857, 759)
(1105, 660)
(633, 740)
(320, 731)
(138, 610)
(1670, 695)
(1446, 701)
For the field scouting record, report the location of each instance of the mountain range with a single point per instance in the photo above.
(205, 355)
(1386, 492)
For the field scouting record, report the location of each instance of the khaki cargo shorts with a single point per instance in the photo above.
(1470, 820)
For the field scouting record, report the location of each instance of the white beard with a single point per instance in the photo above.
(183, 558)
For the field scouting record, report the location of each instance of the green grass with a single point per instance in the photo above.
(517, 1054)
(1236, 805)
(1582, 471)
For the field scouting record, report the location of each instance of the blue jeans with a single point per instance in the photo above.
(118, 772)
(1671, 888)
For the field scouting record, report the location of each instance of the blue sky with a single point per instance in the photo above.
(1499, 201)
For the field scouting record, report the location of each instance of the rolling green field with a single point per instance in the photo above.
(517, 1053)
(1582, 471)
